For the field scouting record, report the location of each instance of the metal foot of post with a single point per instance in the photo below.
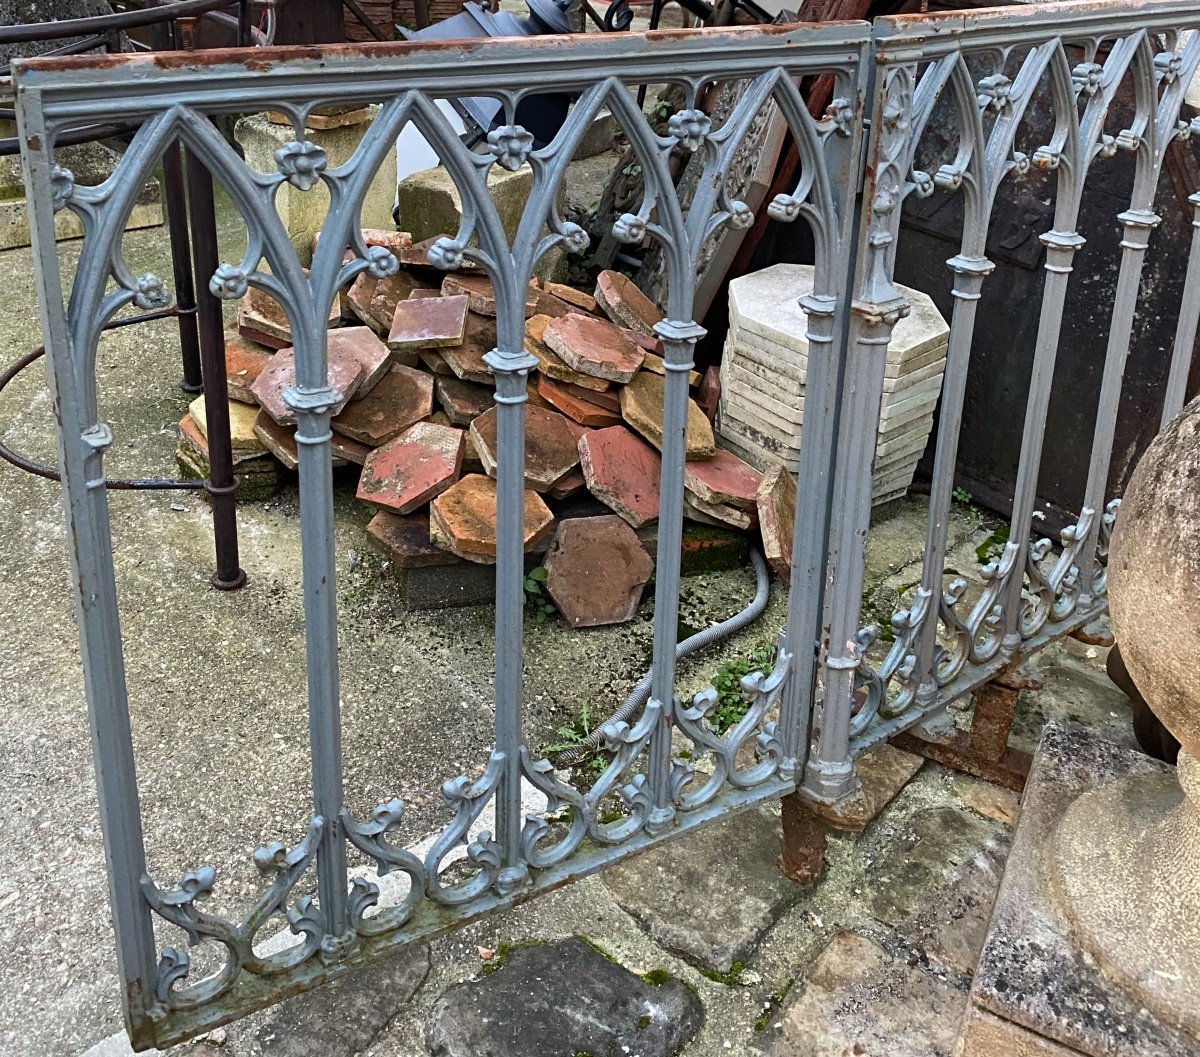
(805, 836)
(983, 751)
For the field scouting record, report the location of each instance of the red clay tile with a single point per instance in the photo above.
(595, 347)
(344, 374)
(551, 451)
(361, 344)
(428, 322)
(582, 411)
(623, 472)
(403, 397)
(776, 504)
(595, 571)
(463, 519)
(462, 401)
(244, 361)
(625, 304)
(723, 479)
(411, 469)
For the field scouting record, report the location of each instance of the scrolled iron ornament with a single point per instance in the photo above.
(1087, 78)
(995, 93)
(784, 208)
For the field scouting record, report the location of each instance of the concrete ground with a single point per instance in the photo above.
(218, 712)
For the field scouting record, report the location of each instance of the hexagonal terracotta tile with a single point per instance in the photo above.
(623, 472)
(344, 373)
(412, 468)
(402, 397)
(463, 519)
(551, 451)
(722, 479)
(594, 346)
(596, 568)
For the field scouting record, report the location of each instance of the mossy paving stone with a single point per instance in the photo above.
(710, 898)
(411, 469)
(559, 1000)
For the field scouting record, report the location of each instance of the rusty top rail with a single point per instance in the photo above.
(78, 27)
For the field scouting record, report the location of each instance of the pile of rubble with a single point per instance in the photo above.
(407, 354)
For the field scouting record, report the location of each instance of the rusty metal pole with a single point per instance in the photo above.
(221, 485)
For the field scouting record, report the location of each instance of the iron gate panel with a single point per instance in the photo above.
(664, 794)
(1030, 595)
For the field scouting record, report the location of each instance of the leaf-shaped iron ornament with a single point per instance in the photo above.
(690, 128)
(629, 229)
(510, 146)
(62, 187)
(302, 162)
(229, 283)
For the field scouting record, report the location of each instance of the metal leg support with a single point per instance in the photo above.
(222, 485)
(983, 751)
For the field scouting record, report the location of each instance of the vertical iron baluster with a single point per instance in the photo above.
(82, 444)
(312, 399)
(679, 343)
(1185, 331)
(1138, 223)
(1061, 247)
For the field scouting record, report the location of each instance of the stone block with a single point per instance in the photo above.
(403, 397)
(258, 479)
(596, 569)
(428, 203)
(642, 408)
(1032, 976)
(92, 164)
(623, 472)
(463, 519)
(303, 212)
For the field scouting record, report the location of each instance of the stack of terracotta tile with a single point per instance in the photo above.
(418, 415)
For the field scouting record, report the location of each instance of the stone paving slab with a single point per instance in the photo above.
(673, 891)
(242, 438)
(859, 999)
(776, 503)
(562, 1000)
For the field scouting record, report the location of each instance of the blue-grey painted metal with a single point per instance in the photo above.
(990, 66)
(664, 792)
(984, 70)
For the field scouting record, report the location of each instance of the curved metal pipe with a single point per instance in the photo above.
(641, 691)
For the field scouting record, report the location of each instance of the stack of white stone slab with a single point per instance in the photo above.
(765, 365)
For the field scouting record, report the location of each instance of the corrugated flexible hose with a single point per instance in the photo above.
(641, 691)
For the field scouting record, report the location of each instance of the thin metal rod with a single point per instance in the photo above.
(222, 485)
(181, 262)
